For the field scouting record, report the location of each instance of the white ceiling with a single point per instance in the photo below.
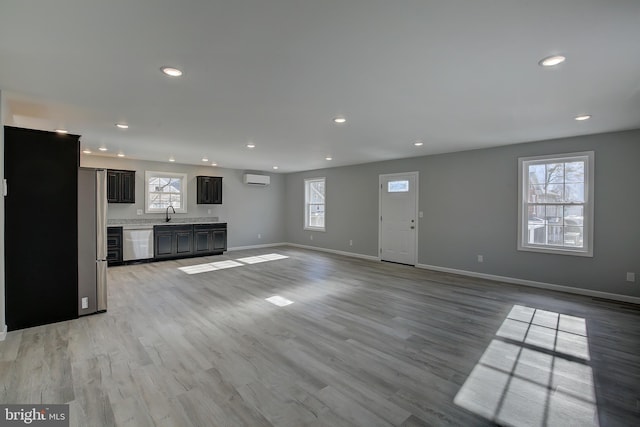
(458, 74)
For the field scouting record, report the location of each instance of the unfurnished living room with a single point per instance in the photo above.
(320, 213)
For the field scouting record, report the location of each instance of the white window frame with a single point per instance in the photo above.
(183, 193)
(587, 223)
(307, 185)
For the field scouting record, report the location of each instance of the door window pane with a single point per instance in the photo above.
(401, 186)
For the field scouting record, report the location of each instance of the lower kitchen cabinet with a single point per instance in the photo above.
(114, 245)
(162, 238)
(172, 241)
(182, 241)
(210, 238)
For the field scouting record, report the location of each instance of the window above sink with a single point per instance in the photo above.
(164, 189)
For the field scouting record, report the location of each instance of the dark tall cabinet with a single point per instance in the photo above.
(41, 227)
(209, 190)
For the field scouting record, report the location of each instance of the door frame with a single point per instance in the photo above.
(415, 174)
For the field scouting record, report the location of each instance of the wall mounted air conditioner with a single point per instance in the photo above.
(253, 179)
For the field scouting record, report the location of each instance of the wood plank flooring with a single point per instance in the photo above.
(363, 344)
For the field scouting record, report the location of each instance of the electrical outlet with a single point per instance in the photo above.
(311, 237)
(139, 212)
(259, 236)
(631, 277)
(85, 302)
(420, 214)
(480, 258)
(350, 242)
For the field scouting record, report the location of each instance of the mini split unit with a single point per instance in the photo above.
(253, 179)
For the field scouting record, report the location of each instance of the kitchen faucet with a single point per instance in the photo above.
(168, 218)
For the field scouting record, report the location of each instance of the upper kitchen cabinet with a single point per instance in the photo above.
(121, 186)
(209, 190)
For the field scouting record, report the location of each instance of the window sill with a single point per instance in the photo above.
(315, 229)
(164, 211)
(555, 251)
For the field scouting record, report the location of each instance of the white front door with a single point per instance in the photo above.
(398, 222)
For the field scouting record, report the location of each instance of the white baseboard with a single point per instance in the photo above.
(3, 333)
(333, 251)
(532, 283)
(267, 245)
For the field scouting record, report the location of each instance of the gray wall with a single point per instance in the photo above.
(469, 200)
(247, 210)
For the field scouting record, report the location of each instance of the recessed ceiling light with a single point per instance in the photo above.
(339, 119)
(418, 143)
(120, 154)
(122, 125)
(275, 167)
(328, 158)
(582, 117)
(171, 159)
(251, 145)
(551, 61)
(204, 159)
(102, 148)
(214, 164)
(171, 71)
(86, 151)
(62, 131)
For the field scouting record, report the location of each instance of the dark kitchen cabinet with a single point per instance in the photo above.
(121, 186)
(209, 190)
(162, 237)
(114, 245)
(172, 241)
(41, 272)
(210, 239)
(182, 241)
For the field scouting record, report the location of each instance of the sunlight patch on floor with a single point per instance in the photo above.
(221, 265)
(535, 372)
(279, 301)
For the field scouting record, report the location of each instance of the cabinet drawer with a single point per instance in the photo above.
(206, 227)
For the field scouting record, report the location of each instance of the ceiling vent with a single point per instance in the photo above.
(253, 179)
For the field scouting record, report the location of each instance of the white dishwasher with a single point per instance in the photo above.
(137, 242)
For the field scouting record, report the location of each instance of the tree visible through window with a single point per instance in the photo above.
(165, 189)
(314, 190)
(556, 208)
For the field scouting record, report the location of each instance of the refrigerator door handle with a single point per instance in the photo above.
(101, 214)
(101, 285)
(101, 239)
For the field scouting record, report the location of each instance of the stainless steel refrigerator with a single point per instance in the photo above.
(92, 241)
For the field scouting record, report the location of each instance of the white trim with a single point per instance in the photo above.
(534, 284)
(266, 245)
(3, 333)
(417, 222)
(333, 251)
(522, 243)
(183, 193)
(307, 183)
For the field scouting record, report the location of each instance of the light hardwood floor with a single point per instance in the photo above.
(364, 343)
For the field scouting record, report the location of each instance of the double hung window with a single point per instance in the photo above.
(556, 204)
(314, 196)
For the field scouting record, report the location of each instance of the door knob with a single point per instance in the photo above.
(412, 227)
